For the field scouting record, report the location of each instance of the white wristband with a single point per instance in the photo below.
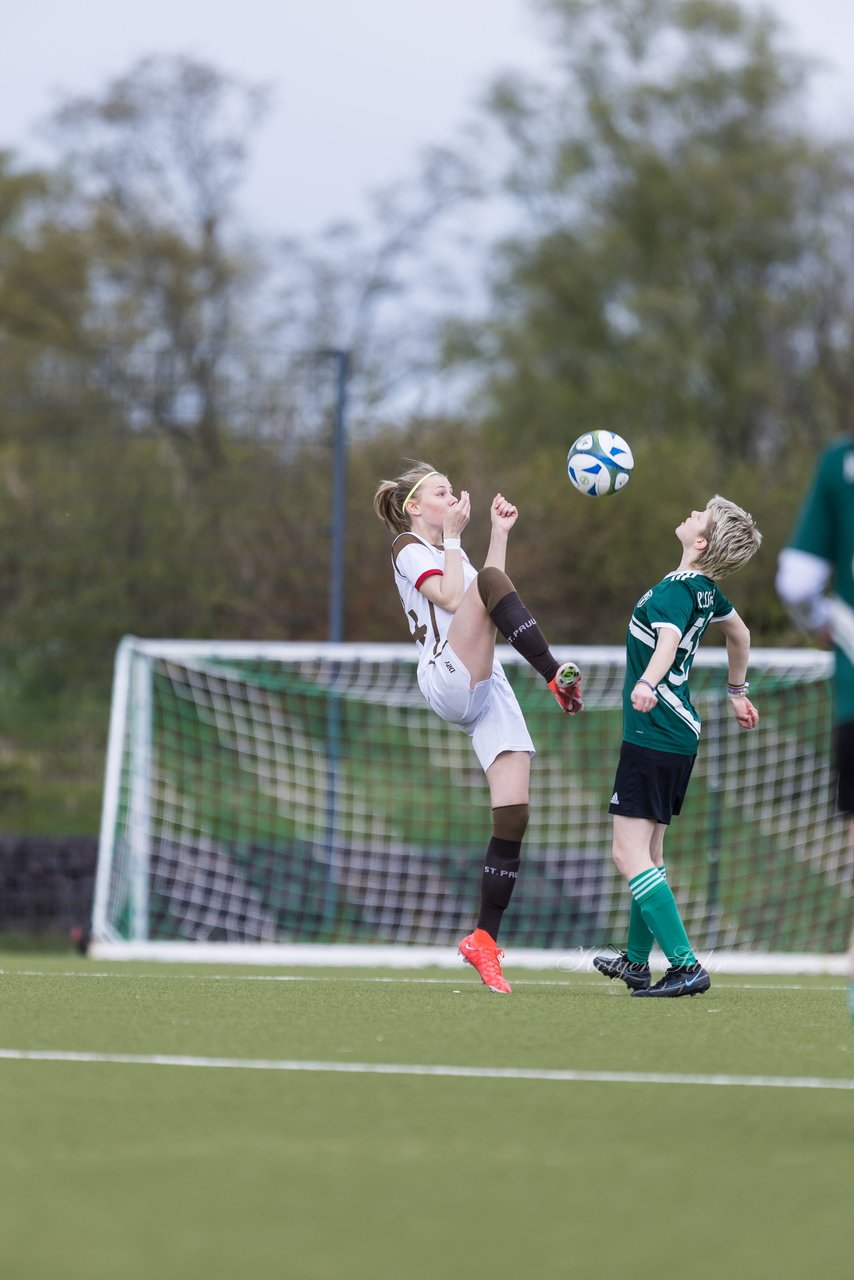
(452, 544)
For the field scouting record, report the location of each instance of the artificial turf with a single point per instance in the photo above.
(134, 1169)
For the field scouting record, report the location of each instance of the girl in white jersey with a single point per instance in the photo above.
(453, 613)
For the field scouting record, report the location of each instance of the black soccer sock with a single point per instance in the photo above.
(497, 883)
(515, 622)
(501, 865)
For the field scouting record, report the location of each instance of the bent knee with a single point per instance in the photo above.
(492, 586)
(620, 861)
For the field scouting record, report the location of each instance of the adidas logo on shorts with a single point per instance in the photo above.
(615, 799)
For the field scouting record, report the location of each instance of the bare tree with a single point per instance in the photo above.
(158, 160)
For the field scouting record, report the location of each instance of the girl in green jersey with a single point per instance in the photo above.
(661, 730)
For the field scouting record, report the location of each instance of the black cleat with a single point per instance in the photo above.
(680, 980)
(636, 976)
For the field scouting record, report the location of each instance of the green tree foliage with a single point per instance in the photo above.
(180, 490)
(679, 272)
(102, 535)
(680, 235)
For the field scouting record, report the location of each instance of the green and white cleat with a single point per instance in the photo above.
(566, 687)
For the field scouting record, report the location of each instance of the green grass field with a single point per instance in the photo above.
(209, 1169)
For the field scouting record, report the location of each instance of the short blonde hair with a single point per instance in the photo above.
(390, 498)
(733, 539)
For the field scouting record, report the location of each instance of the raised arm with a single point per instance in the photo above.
(446, 590)
(503, 515)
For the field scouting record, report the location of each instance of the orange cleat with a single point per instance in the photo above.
(481, 951)
(566, 687)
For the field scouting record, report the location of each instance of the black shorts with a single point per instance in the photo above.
(650, 784)
(845, 767)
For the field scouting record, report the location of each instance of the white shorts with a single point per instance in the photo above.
(489, 713)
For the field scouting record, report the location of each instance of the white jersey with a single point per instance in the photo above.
(414, 560)
(487, 711)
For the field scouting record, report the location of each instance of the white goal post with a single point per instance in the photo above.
(300, 804)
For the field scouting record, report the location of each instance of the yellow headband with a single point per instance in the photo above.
(415, 486)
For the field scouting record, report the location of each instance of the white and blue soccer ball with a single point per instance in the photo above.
(600, 463)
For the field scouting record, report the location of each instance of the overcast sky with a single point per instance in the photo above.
(359, 86)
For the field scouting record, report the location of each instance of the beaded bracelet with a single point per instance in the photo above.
(737, 690)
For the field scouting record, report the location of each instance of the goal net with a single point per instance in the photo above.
(291, 801)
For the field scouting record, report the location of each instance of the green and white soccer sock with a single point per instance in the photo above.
(661, 915)
(640, 936)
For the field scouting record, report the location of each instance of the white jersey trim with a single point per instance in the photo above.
(640, 632)
(801, 580)
(670, 700)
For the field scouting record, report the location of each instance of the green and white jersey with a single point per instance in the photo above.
(826, 529)
(686, 601)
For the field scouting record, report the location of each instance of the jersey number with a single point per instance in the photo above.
(419, 634)
(690, 642)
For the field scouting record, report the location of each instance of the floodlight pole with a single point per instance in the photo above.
(339, 494)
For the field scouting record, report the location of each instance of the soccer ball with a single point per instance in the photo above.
(600, 463)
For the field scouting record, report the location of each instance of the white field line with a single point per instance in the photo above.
(396, 980)
(406, 958)
(421, 1069)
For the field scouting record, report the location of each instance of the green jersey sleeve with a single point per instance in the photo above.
(722, 607)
